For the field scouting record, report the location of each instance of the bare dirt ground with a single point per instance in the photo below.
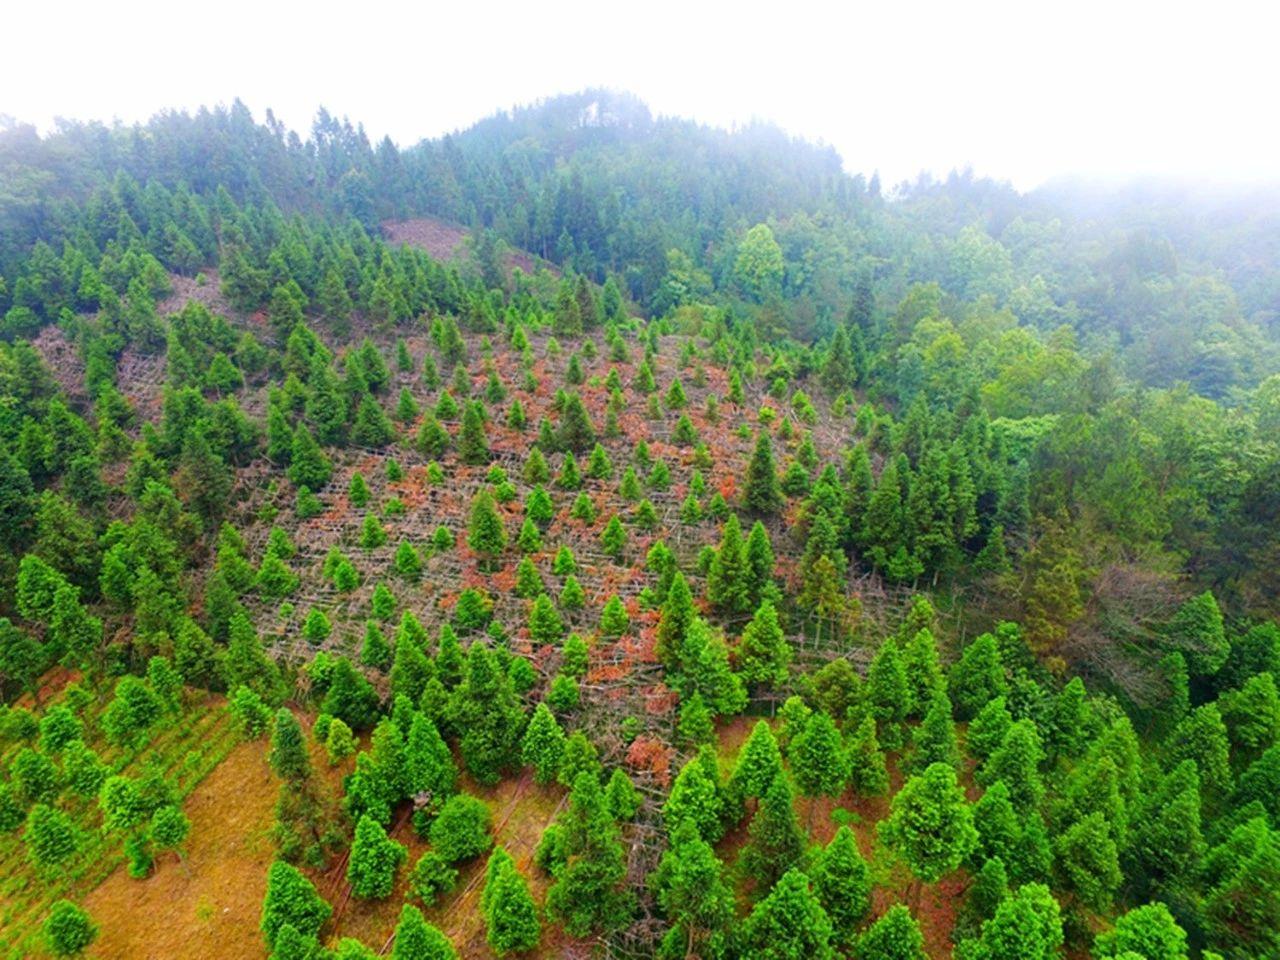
(448, 241)
(207, 906)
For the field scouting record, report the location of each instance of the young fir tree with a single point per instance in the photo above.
(613, 539)
(68, 930)
(895, 936)
(473, 445)
(511, 918)
(288, 757)
(695, 797)
(818, 760)
(761, 494)
(930, 825)
(988, 728)
(1016, 761)
(763, 654)
(789, 922)
(776, 842)
(842, 884)
(415, 939)
(374, 861)
(677, 616)
(589, 892)
(977, 678)
(291, 900)
(729, 580)
(887, 693)
(487, 711)
(428, 763)
(690, 886)
(545, 625)
(935, 739)
(486, 532)
(543, 745)
(1087, 861)
(759, 764)
(1148, 931)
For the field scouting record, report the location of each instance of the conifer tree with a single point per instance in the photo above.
(614, 620)
(288, 757)
(372, 427)
(1147, 931)
(895, 936)
(930, 825)
(50, 837)
(428, 763)
(1241, 908)
(977, 678)
(759, 764)
(545, 625)
(887, 692)
(308, 466)
(374, 861)
(576, 433)
(764, 654)
(1197, 631)
(987, 730)
(704, 661)
(543, 745)
(935, 738)
(68, 930)
(818, 759)
(510, 915)
(867, 772)
(690, 887)
(350, 696)
(776, 842)
(1025, 926)
(761, 494)
(842, 884)
(486, 709)
(695, 797)
(291, 900)
(486, 532)
(1087, 861)
(729, 580)
(473, 446)
(415, 939)
(923, 671)
(613, 539)
(1016, 762)
(677, 616)
(1202, 737)
(789, 923)
(589, 889)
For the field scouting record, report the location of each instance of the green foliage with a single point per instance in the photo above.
(291, 900)
(68, 930)
(374, 861)
(842, 884)
(511, 918)
(462, 828)
(895, 936)
(789, 924)
(589, 889)
(930, 825)
(776, 842)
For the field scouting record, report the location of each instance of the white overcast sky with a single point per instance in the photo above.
(1022, 91)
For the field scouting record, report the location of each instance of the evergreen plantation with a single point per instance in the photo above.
(704, 553)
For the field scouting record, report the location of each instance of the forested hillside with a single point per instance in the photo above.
(598, 534)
